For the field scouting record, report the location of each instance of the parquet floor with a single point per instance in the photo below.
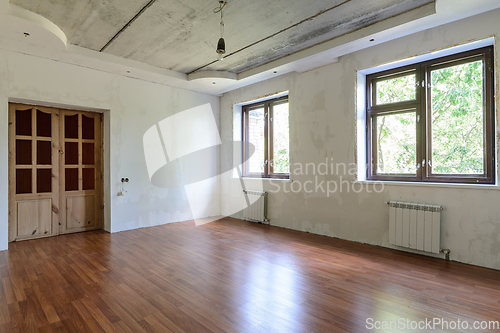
(230, 276)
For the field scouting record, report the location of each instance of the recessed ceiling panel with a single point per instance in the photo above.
(91, 23)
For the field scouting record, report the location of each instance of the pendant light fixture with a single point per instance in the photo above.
(221, 44)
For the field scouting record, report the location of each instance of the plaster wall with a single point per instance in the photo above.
(322, 127)
(130, 108)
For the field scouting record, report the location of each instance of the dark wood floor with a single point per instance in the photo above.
(229, 276)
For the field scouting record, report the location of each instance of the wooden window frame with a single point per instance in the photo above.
(422, 108)
(268, 106)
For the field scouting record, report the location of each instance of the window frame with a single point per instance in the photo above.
(422, 107)
(268, 106)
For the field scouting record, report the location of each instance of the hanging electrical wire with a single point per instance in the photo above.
(221, 44)
(222, 4)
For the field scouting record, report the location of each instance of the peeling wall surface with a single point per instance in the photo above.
(133, 107)
(322, 126)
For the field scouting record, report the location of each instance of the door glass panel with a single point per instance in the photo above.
(71, 153)
(88, 179)
(23, 181)
(87, 127)
(71, 179)
(457, 119)
(256, 137)
(43, 124)
(23, 122)
(396, 143)
(88, 153)
(71, 127)
(23, 152)
(281, 146)
(44, 180)
(43, 152)
(397, 89)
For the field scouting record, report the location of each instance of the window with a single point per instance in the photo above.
(266, 151)
(433, 121)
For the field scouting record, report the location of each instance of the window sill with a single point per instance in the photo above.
(426, 184)
(256, 178)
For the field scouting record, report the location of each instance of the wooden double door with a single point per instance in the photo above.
(55, 171)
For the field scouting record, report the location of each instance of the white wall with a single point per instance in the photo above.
(133, 107)
(322, 125)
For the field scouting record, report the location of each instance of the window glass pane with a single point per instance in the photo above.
(88, 153)
(44, 180)
(23, 152)
(71, 179)
(43, 124)
(396, 143)
(23, 122)
(23, 181)
(281, 146)
(395, 90)
(71, 153)
(71, 127)
(256, 137)
(43, 152)
(457, 119)
(88, 178)
(87, 127)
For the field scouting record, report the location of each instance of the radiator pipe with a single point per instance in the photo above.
(389, 202)
(446, 253)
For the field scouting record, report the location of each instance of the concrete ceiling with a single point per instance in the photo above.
(181, 35)
(167, 47)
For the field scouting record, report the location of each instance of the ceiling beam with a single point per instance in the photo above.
(127, 25)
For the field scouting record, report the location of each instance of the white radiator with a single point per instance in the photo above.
(256, 211)
(415, 226)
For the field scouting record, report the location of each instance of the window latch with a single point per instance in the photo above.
(265, 163)
(423, 163)
(418, 166)
(271, 163)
